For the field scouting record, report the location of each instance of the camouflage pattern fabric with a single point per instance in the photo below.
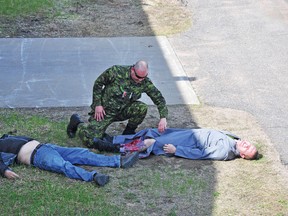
(135, 112)
(118, 93)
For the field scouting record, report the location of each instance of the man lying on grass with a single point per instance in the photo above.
(51, 157)
(195, 144)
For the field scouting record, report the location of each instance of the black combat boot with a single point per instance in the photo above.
(102, 145)
(129, 130)
(73, 124)
(108, 138)
(101, 179)
(129, 160)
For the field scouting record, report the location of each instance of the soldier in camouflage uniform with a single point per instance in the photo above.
(115, 98)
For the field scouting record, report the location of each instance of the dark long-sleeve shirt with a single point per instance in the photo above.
(10, 147)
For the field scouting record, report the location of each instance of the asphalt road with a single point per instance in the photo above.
(237, 54)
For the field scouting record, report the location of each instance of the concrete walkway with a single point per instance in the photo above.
(53, 72)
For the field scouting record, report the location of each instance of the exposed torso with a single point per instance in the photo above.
(25, 152)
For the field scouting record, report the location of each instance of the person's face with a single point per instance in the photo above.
(138, 76)
(246, 149)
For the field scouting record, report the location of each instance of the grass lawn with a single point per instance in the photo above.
(15, 8)
(40, 192)
(155, 186)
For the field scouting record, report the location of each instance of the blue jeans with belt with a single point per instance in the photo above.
(63, 160)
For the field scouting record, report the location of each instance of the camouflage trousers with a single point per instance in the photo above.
(134, 112)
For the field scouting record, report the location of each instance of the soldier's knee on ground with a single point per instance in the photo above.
(87, 137)
(86, 141)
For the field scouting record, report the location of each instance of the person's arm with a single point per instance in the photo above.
(169, 149)
(183, 151)
(10, 174)
(217, 152)
(162, 125)
(147, 143)
(104, 79)
(99, 113)
(158, 99)
(4, 169)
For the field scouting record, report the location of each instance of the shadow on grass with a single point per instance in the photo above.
(52, 73)
(156, 185)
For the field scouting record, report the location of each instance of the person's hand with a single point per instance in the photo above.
(99, 113)
(162, 125)
(169, 149)
(10, 174)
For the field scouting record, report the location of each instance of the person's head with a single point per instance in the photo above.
(246, 150)
(139, 71)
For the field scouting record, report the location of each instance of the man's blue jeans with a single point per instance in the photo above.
(63, 160)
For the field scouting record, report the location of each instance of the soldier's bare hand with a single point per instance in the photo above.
(99, 113)
(162, 125)
(169, 149)
(10, 174)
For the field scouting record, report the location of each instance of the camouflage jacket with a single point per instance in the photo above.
(114, 89)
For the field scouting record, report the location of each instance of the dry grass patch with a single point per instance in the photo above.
(101, 18)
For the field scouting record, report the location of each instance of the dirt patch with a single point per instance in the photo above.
(101, 18)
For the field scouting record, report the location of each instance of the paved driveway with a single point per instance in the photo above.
(237, 53)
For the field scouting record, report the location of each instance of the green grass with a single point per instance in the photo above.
(37, 127)
(23, 7)
(39, 192)
(48, 197)
(157, 185)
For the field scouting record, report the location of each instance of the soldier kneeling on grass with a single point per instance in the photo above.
(116, 97)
